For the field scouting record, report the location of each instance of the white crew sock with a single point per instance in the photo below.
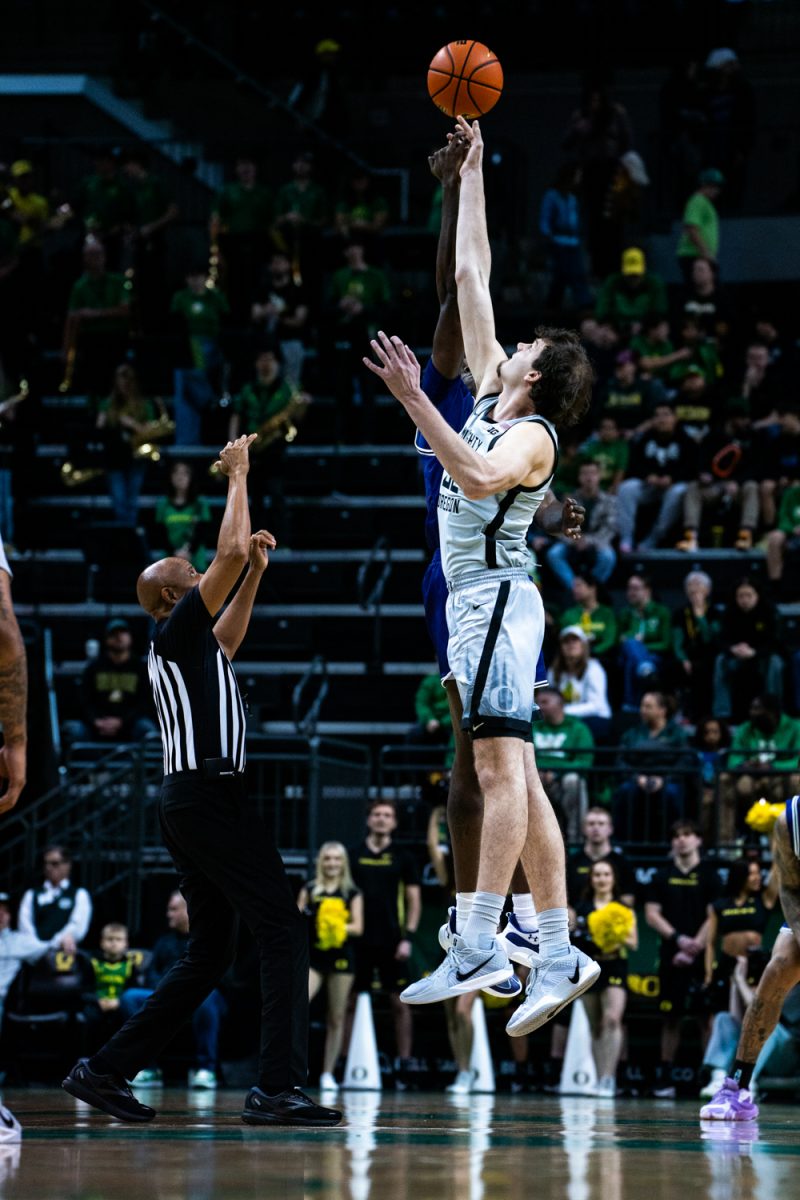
(463, 909)
(487, 908)
(525, 911)
(554, 933)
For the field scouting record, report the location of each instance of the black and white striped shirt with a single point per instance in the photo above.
(197, 698)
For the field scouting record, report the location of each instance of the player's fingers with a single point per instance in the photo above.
(251, 437)
(381, 352)
(387, 342)
(376, 370)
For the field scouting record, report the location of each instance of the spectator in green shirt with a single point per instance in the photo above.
(596, 620)
(98, 316)
(785, 538)
(767, 741)
(656, 350)
(432, 707)
(357, 299)
(151, 211)
(610, 451)
(653, 794)
(301, 211)
(645, 639)
(561, 741)
(104, 204)
(198, 311)
(183, 518)
(241, 224)
(626, 298)
(362, 213)
(700, 231)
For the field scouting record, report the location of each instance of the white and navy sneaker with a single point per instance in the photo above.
(507, 989)
(520, 946)
(465, 969)
(552, 984)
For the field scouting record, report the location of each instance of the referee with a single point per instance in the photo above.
(226, 862)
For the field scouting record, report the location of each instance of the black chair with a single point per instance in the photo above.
(45, 1014)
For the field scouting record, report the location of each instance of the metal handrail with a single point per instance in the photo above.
(373, 599)
(307, 725)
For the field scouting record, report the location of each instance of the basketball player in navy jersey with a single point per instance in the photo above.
(734, 1101)
(450, 388)
(227, 863)
(497, 471)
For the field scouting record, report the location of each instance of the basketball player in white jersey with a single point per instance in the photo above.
(496, 473)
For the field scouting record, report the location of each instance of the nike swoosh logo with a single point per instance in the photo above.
(575, 977)
(468, 974)
(6, 1118)
(480, 725)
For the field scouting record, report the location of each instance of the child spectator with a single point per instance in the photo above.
(113, 967)
(183, 518)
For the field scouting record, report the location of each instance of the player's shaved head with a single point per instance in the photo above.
(174, 573)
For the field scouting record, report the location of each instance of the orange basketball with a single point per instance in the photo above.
(465, 79)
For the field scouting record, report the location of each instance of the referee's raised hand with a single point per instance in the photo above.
(234, 459)
(260, 544)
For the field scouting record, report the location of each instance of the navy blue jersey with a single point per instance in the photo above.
(453, 399)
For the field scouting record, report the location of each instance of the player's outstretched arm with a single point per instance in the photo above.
(474, 265)
(448, 343)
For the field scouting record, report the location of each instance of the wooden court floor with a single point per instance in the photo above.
(392, 1146)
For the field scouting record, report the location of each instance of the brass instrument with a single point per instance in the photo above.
(72, 476)
(13, 401)
(142, 442)
(70, 351)
(280, 424)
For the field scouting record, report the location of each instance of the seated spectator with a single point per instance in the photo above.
(610, 451)
(432, 707)
(783, 543)
(605, 1000)
(656, 350)
(702, 356)
(114, 697)
(96, 329)
(125, 416)
(269, 406)
(628, 397)
(661, 464)
(653, 797)
(738, 921)
(778, 461)
(768, 741)
(725, 483)
(198, 312)
(560, 741)
(760, 382)
(598, 847)
(644, 639)
(625, 299)
(711, 740)
(59, 909)
(592, 552)
(151, 212)
(749, 662)
(281, 315)
(335, 907)
(707, 303)
(183, 519)
(677, 909)
(113, 967)
(560, 226)
(581, 680)
(357, 297)
(602, 343)
(362, 212)
(694, 400)
(206, 1020)
(596, 620)
(16, 948)
(301, 211)
(695, 641)
(241, 222)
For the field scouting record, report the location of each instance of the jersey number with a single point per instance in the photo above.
(448, 484)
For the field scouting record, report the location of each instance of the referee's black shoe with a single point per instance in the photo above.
(110, 1093)
(292, 1107)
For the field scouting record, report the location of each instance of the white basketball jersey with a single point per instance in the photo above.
(481, 535)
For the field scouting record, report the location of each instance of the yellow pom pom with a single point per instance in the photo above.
(610, 926)
(762, 816)
(332, 917)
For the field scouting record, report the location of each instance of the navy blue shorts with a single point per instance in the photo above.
(434, 599)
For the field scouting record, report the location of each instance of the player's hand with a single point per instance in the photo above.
(445, 163)
(234, 459)
(12, 768)
(260, 544)
(573, 515)
(398, 368)
(474, 140)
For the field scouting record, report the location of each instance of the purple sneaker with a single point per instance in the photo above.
(731, 1103)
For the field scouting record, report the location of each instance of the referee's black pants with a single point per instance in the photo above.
(228, 866)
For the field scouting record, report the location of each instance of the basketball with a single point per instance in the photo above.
(465, 79)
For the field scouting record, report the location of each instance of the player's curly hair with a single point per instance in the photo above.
(564, 392)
